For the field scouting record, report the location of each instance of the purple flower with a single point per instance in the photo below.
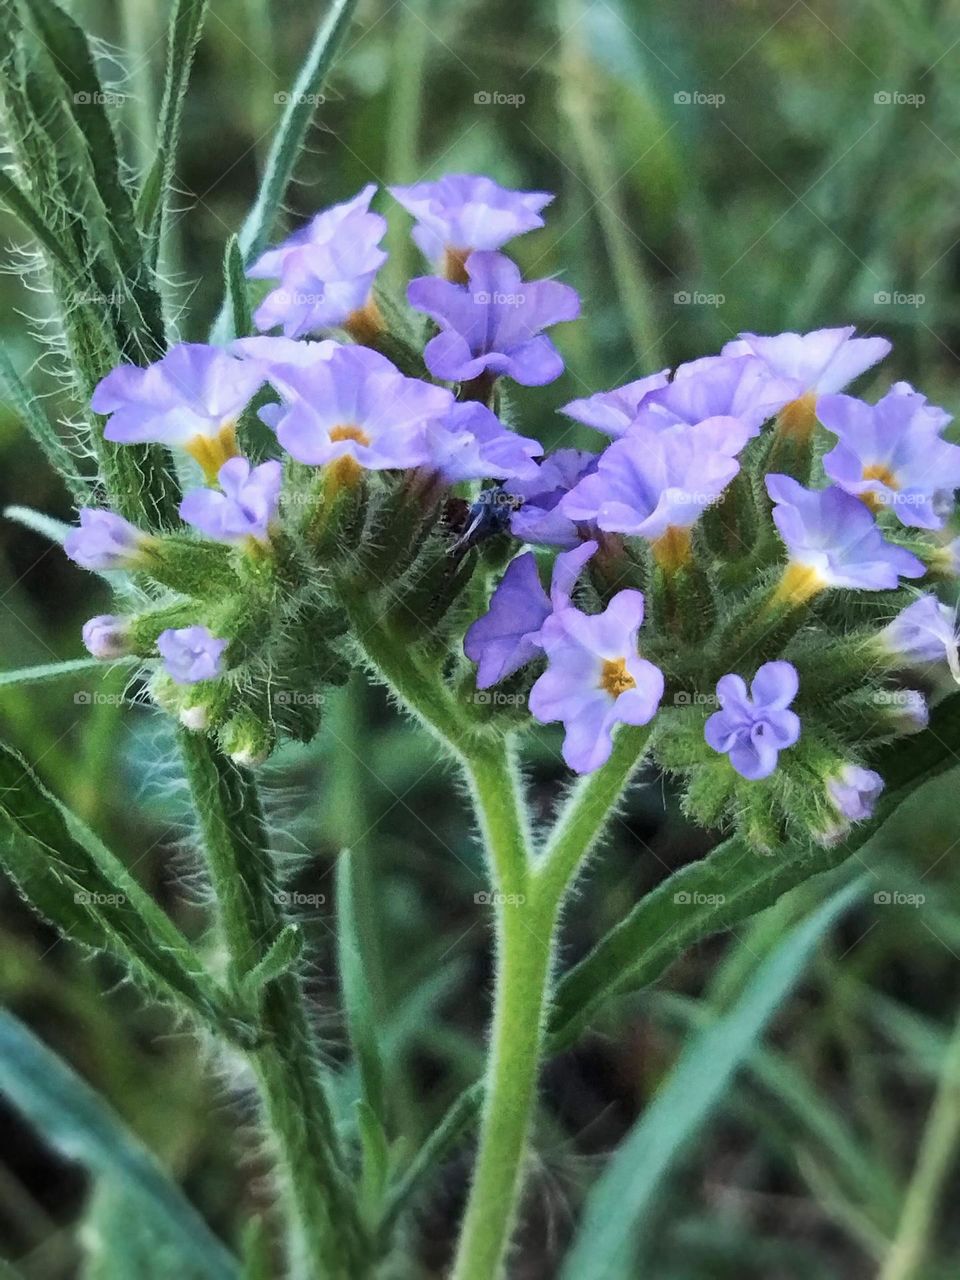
(854, 792)
(612, 412)
(190, 399)
(539, 519)
(649, 482)
(833, 541)
(107, 636)
(925, 633)
(493, 324)
(104, 541)
(463, 211)
(275, 355)
(821, 362)
(357, 405)
(243, 508)
(719, 387)
(507, 637)
(595, 678)
(326, 269)
(471, 443)
(890, 454)
(191, 654)
(753, 728)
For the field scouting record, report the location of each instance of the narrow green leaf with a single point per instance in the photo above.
(238, 297)
(70, 878)
(79, 1124)
(46, 526)
(731, 884)
(22, 207)
(56, 670)
(356, 993)
(618, 1204)
(288, 139)
(120, 1242)
(25, 406)
(375, 1158)
(256, 1251)
(280, 960)
(183, 35)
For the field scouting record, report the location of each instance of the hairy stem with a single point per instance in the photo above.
(329, 1240)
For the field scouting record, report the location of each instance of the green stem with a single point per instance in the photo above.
(525, 923)
(935, 1158)
(329, 1240)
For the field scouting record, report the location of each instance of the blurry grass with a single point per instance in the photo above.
(795, 202)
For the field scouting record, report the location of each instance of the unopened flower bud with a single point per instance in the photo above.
(107, 636)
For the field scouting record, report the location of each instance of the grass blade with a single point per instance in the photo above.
(77, 1122)
(617, 1206)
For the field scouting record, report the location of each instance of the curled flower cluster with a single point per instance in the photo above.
(736, 565)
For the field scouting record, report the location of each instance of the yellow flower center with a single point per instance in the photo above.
(798, 418)
(211, 452)
(615, 678)
(672, 550)
(800, 583)
(349, 432)
(878, 471)
(455, 265)
(366, 324)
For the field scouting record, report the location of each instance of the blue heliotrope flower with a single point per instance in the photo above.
(820, 362)
(891, 455)
(273, 355)
(508, 636)
(740, 387)
(753, 727)
(326, 269)
(191, 654)
(105, 541)
(854, 792)
(493, 324)
(925, 634)
(106, 636)
(612, 412)
(243, 507)
(595, 678)
(190, 399)
(833, 541)
(356, 405)
(462, 212)
(539, 518)
(650, 482)
(471, 443)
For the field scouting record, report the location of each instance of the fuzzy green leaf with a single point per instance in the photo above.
(731, 884)
(619, 1202)
(66, 874)
(79, 1124)
(25, 405)
(56, 670)
(238, 298)
(356, 993)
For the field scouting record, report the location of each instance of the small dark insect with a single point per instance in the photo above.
(486, 517)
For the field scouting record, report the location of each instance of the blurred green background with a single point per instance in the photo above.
(718, 166)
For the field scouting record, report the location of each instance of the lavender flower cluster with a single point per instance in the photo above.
(754, 523)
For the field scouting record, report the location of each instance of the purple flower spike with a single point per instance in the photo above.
(890, 454)
(508, 636)
(753, 728)
(190, 399)
(833, 541)
(924, 634)
(539, 518)
(191, 654)
(357, 405)
(104, 541)
(719, 387)
(493, 324)
(244, 507)
(471, 443)
(648, 482)
(595, 678)
(463, 211)
(612, 412)
(326, 269)
(106, 636)
(854, 792)
(823, 361)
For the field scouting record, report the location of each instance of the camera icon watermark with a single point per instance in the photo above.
(894, 898)
(684, 898)
(494, 98)
(893, 98)
(487, 899)
(898, 298)
(696, 298)
(291, 898)
(300, 99)
(694, 98)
